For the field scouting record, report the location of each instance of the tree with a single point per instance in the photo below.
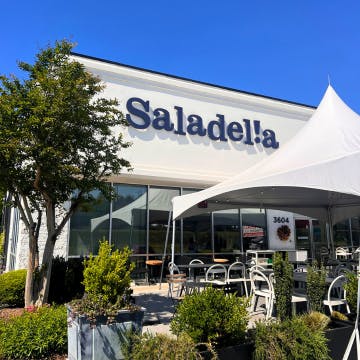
(56, 144)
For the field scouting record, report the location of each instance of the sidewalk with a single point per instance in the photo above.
(159, 308)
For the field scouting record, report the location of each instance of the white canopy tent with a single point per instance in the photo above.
(314, 174)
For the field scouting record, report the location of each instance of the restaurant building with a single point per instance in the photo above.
(186, 135)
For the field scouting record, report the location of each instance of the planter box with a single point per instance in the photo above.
(338, 338)
(101, 341)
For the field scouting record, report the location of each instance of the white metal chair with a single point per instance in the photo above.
(176, 281)
(236, 274)
(261, 287)
(336, 295)
(192, 271)
(342, 253)
(216, 275)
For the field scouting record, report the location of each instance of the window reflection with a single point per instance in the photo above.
(226, 231)
(159, 208)
(129, 218)
(89, 225)
(253, 229)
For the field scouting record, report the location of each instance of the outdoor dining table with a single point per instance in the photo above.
(301, 277)
(198, 266)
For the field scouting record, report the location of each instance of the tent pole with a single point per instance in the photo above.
(173, 247)
(355, 333)
(330, 232)
(165, 248)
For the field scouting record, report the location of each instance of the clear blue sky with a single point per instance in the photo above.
(283, 49)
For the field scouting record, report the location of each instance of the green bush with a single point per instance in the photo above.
(211, 316)
(289, 340)
(12, 288)
(162, 347)
(107, 279)
(316, 286)
(351, 287)
(34, 335)
(316, 320)
(283, 287)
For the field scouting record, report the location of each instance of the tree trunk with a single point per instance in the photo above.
(31, 269)
(45, 272)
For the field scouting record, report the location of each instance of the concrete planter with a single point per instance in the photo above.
(100, 340)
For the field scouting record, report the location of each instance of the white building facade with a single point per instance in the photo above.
(185, 136)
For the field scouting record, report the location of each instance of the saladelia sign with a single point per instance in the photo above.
(141, 116)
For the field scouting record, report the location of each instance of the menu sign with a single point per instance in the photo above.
(281, 230)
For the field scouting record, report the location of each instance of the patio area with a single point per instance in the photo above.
(160, 308)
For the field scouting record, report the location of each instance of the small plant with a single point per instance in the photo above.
(290, 339)
(12, 288)
(338, 315)
(316, 320)
(351, 288)
(34, 335)
(283, 286)
(107, 282)
(162, 347)
(210, 316)
(316, 286)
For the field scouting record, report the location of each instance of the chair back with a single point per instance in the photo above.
(194, 261)
(173, 268)
(260, 282)
(216, 273)
(336, 289)
(341, 253)
(236, 271)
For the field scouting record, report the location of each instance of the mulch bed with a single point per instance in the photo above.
(7, 313)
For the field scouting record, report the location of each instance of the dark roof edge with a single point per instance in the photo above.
(191, 80)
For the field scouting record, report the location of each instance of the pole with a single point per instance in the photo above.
(173, 247)
(355, 333)
(165, 248)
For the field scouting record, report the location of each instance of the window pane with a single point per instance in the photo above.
(226, 230)
(129, 218)
(253, 229)
(89, 226)
(197, 231)
(355, 227)
(159, 208)
(342, 234)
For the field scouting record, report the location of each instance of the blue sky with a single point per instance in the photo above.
(283, 49)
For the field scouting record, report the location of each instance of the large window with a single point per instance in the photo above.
(159, 208)
(342, 235)
(227, 231)
(253, 229)
(128, 218)
(88, 226)
(197, 232)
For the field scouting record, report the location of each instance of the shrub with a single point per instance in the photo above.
(316, 286)
(316, 320)
(66, 280)
(212, 316)
(351, 288)
(34, 335)
(162, 347)
(107, 282)
(289, 339)
(12, 288)
(283, 287)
